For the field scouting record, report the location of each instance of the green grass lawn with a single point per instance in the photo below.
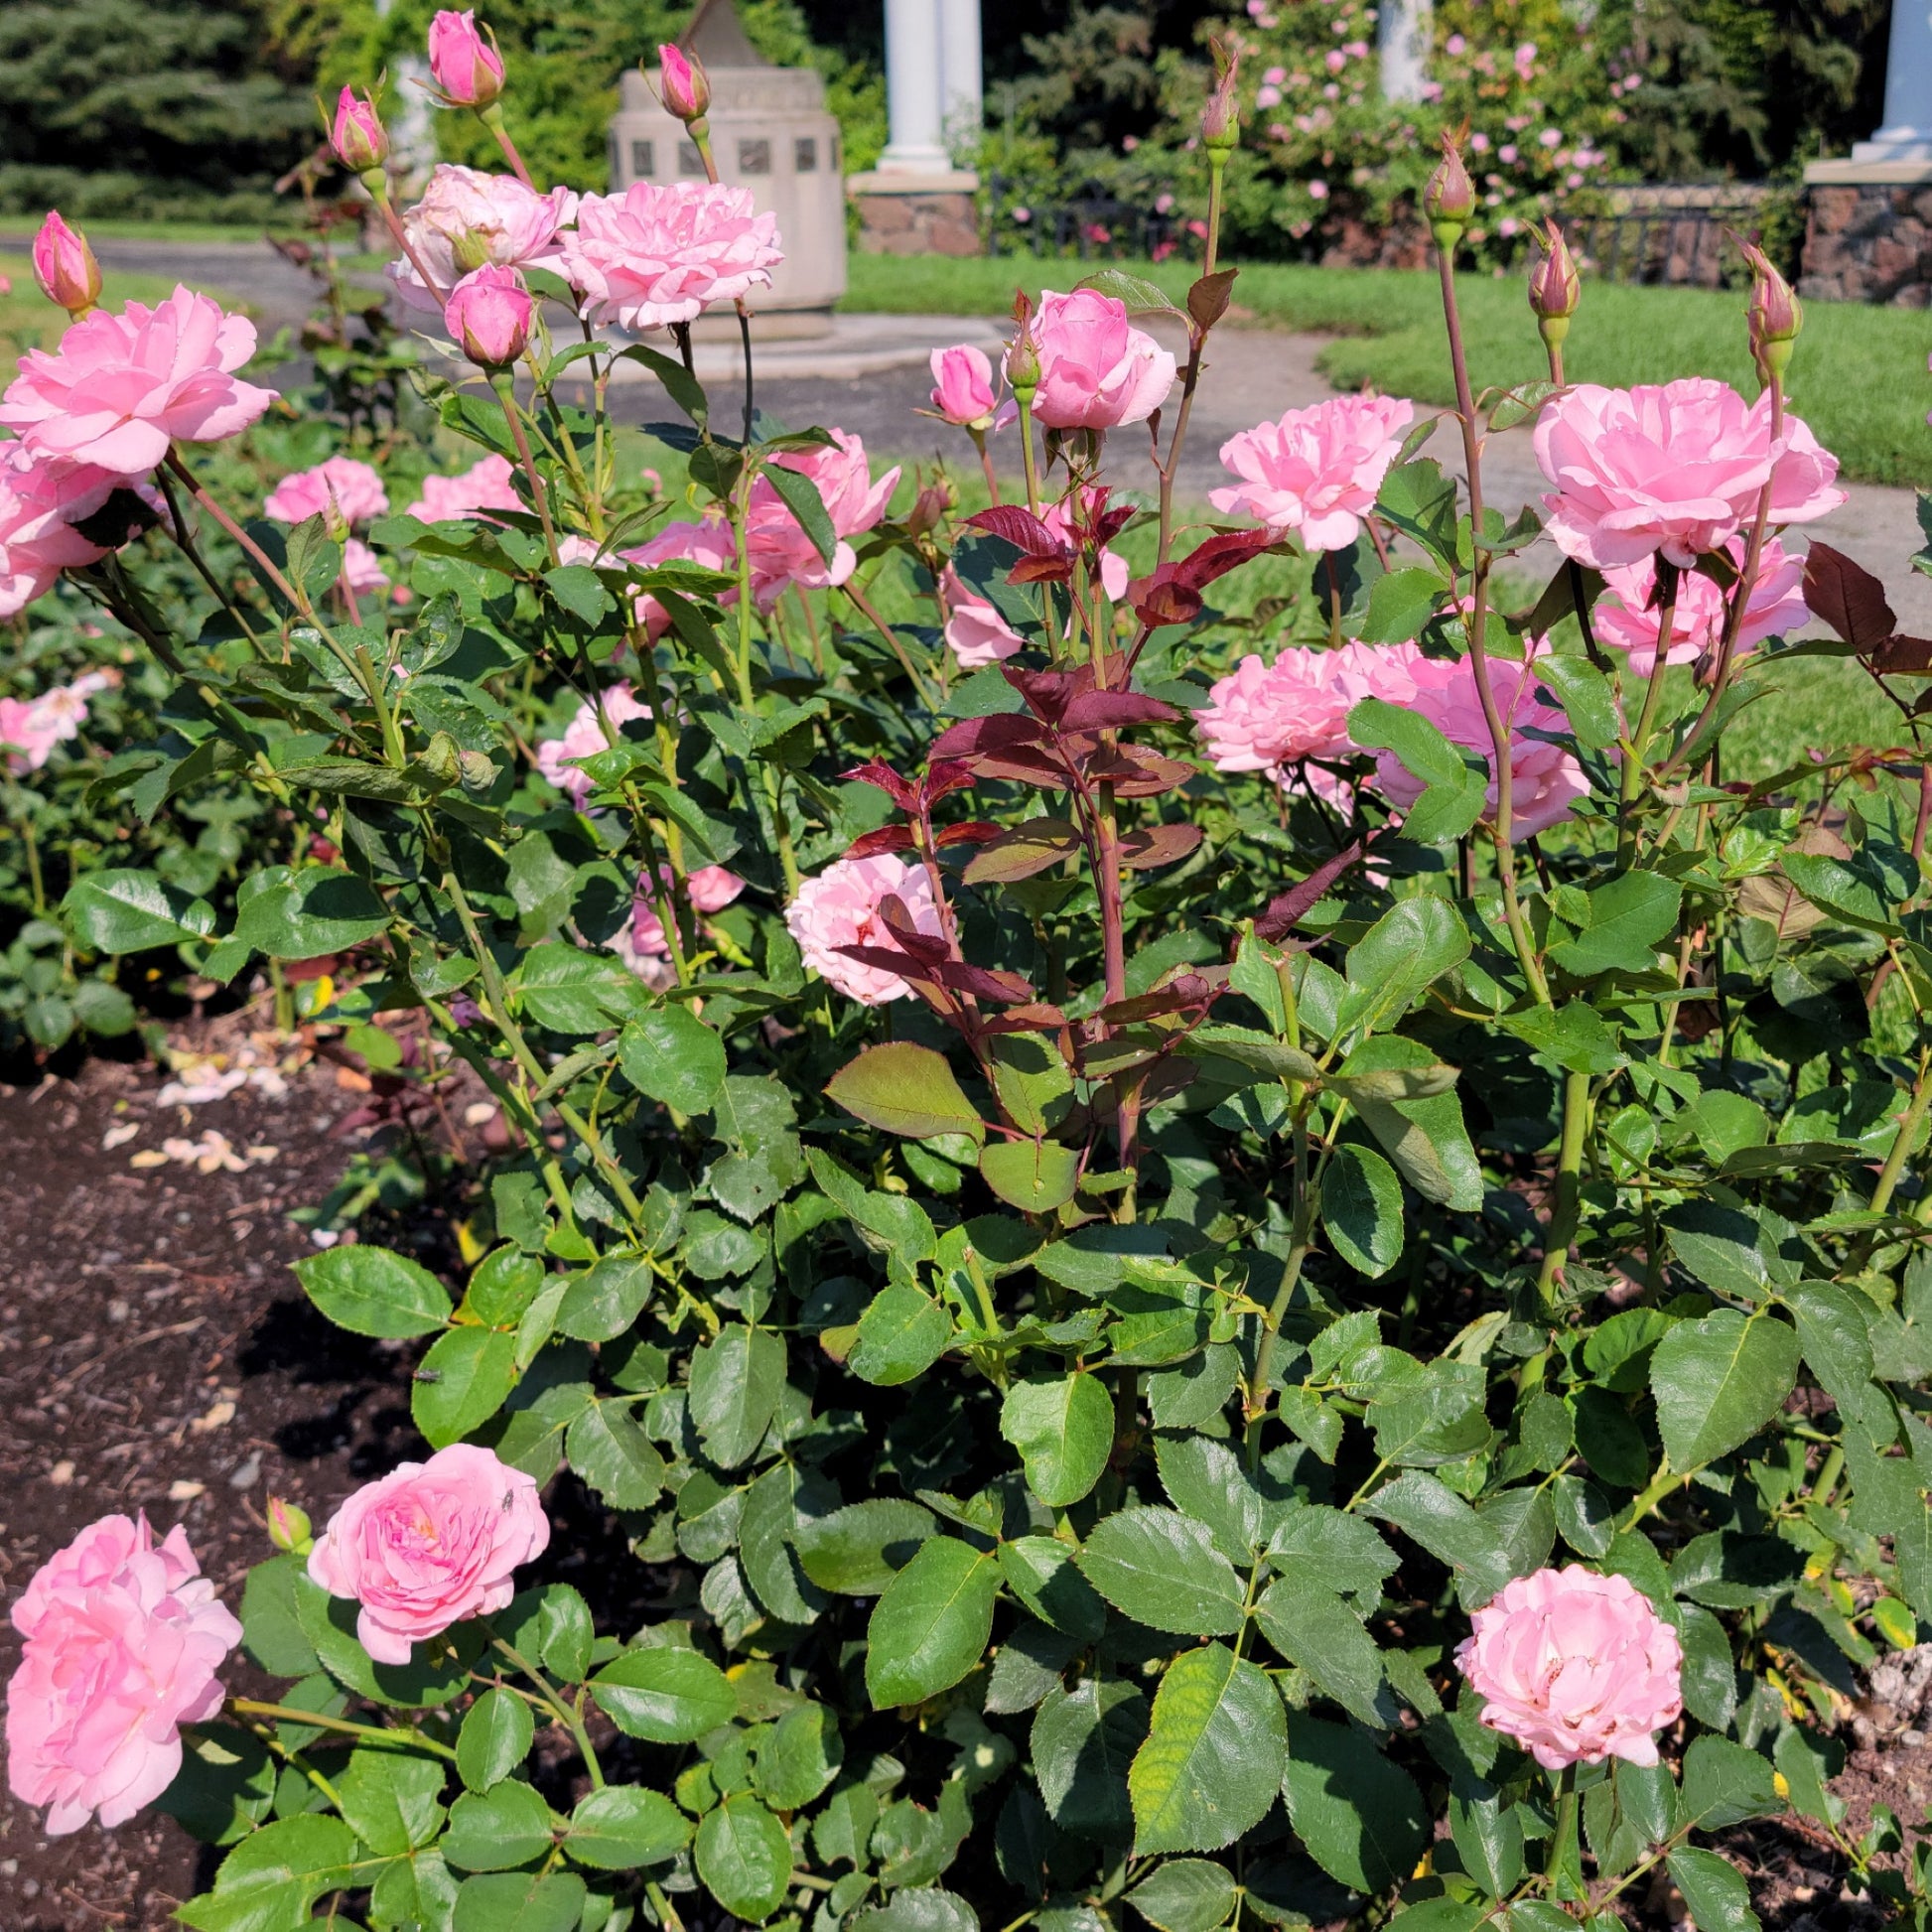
(19, 228)
(1859, 376)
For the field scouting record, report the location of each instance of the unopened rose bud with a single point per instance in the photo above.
(1021, 364)
(489, 312)
(1220, 121)
(929, 507)
(1556, 288)
(682, 85)
(64, 267)
(359, 136)
(468, 70)
(1775, 315)
(289, 1527)
(1450, 196)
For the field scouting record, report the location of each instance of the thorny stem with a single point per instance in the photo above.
(377, 183)
(571, 1719)
(985, 462)
(1568, 1207)
(892, 638)
(742, 669)
(1027, 457)
(1632, 779)
(505, 385)
(1196, 341)
(184, 540)
(299, 598)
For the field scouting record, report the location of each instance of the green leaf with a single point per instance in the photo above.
(391, 1801)
(1361, 1817)
(1489, 1835)
(931, 1624)
(674, 1056)
(1455, 786)
(621, 1827)
(1424, 1137)
(1423, 1506)
(1629, 918)
(1714, 1890)
(520, 1901)
(857, 1550)
(1035, 1177)
(800, 495)
(664, 1694)
(374, 1292)
(608, 1446)
(905, 1089)
(1851, 889)
(744, 1852)
(1186, 1896)
(798, 1757)
(466, 1377)
(1140, 295)
(317, 912)
(1162, 1569)
(1347, 1553)
(1042, 1573)
(1421, 503)
(497, 1730)
(272, 1877)
(1206, 1480)
(1718, 1381)
(224, 1787)
(1083, 1743)
(920, 1908)
(1064, 1432)
(1361, 1210)
(577, 588)
(493, 1831)
(901, 1227)
(1309, 1625)
(601, 1302)
(902, 1333)
(1400, 603)
(117, 910)
(270, 1628)
(433, 1676)
(501, 1287)
(1398, 959)
(1584, 694)
(1213, 1756)
(1725, 1784)
(736, 1383)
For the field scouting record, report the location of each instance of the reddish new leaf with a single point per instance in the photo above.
(1207, 300)
(1287, 909)
(1847, 597)
(1219, 554)
(1025, 850)
(944, 777)
(1046, 692)
(1099, 711)
(926, 947)
(887, 837)
(1042, 570)
(1159, 844)
(1019, 528)
(1911, 656)
(974, 738)
(972, 831)
(1182, 994)
(1136, 772)
(1161, 600)
(903, 792)
(981, 983)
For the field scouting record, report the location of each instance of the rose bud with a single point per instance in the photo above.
(65, 266)
(489, 312)
(1021, 364)
(1775, 314)
(930, 506)
(682, 85)
(1554, 287)
(289, 1527)
(358, 137)
(962, 386)
(469, 69)
(1450, 196)
(1220, 121)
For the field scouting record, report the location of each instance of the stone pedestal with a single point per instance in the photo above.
(1868, 232)
(916, 214)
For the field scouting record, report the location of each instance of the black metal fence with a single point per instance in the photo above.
(1089, 225)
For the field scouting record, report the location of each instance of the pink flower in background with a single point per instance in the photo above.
(1114, 568)
(65, 266)
(429, 1545)
(583, 736)
(353, 486)
(39, 502)
(1576, 1667)
(659, 254)
(483, 487)
(1674, 467)
(712, 888)
(1545, 780)
(840, 907)
(1317, 471)
(976, 634)
(782, 553)
(962, 391)
(120, 388)
(489, 314)
(467, 219)
(123, 1637)
(31, 727)
(1262, 716)
(466, 67)
(1096, 371)
(362, 569)
(708, 541)
(1623, 620)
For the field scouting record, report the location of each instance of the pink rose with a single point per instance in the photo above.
(1674, 467)
(962, 385)
(1095, 370)
(358, 137)
(1545, 780)
(976, 634)
(123, 1640)
(468, 219)
(659, 254)
(584, 736)
(708, 541)
(120, 388)
(362, 569)
(483, 487)
(1263, 717)
(1317, 471)
(712, 888)
(1576, 1667)
(352, 486)
(488, 312)
(782, 553)
(468, 68)
(840, 907)
(430, 1544)
(34, 726)
(1624, 620)
(39, 502)
(65, 266)
(682, 85)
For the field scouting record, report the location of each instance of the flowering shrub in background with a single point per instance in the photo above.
(1093, 1184)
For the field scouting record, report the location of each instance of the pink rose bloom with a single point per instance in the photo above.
(362, 569)
(355, 489)
(708, 541)
(430, 1544)
(34, 726)
(493, 217)
(466, 67)
(840, 907)
(782, 553)
(659, 254)
(584, 736)
(1674, 467)
(1545, 780)
(488, 315)
(1576, 1667)
(120, 388)
(39, 502)
(712, 888)
(962, 385)
(976, 634)
(1095, 370)
(479, 489)
(1317, 471)
(1260, 716)
(123, 1640)
(1623, 619)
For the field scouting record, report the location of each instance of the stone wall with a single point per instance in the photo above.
(893, 222)
(1868, 241)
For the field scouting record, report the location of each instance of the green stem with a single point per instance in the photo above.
(1568, 1207)
(1196, 341)
(505, 385)
(1565, 1870)
(288, 1713)
(1632, 779)
(1908, 1126)
(572, 1720)
(1027, 456)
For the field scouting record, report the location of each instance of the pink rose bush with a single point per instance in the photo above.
(707, 542)
(1262, 716)
(840, 907)
(123, 1640)
(429, 1545)
(483, 487)
(584, 736)
(782, 553)
(653, 255)
(642, 941)
(1574, 1667)
(1315, 471)
(1624, 621)
(1096, 371)
(467, 219)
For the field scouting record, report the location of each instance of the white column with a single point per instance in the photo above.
(960, 69)
(914, 102)
(1907, 132)
(1402, 40)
